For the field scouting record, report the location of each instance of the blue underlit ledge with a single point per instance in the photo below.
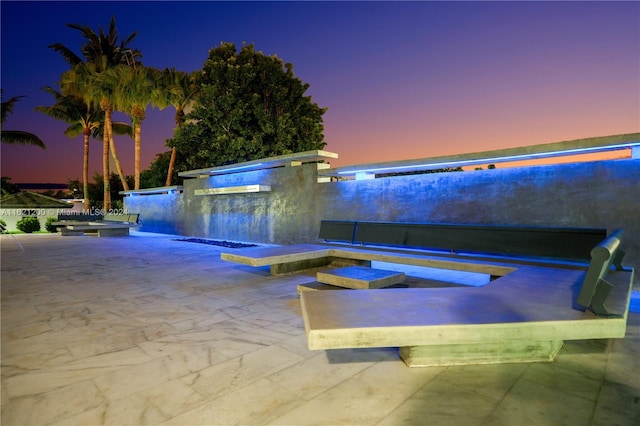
(242, 189)
(266, 163)
(176, 189)
(628, 143)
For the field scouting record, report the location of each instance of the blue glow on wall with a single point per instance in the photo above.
(502, 159)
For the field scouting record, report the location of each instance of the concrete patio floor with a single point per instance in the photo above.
(147, 330)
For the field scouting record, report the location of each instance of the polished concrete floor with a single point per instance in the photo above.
(147, 330)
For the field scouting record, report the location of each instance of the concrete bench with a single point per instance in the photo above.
(65, 219)
(79, 217)
(525, 313)
(109, 226)
(568, 243)
(353, 277)
(346, 241)
(359, 277)
(102, 229)
(522, 316)
(282, 259)
(285, 259)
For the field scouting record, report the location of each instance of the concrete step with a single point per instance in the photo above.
(359, 277)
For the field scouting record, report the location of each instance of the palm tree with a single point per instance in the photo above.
(16, 136)
(182, 89)
(84, 119)
(81, 81)
(105, 91)
(136, 90)
(99, 53)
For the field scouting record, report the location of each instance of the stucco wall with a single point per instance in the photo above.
(594, 194)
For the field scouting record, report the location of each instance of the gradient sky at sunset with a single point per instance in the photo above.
(400, 80)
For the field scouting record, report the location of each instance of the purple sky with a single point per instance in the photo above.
(400, 79)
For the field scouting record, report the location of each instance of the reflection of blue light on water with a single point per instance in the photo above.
(634, 306)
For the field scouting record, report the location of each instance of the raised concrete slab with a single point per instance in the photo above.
(317, 287)
(359, 277)
(240, 189)
(304, 256)
(521, 317)
(263, 256)
(264, 163)
(113, 232)
(68, 232)
(153, 191)
(103, 229)
(410, 282)
(481, 353)
(285, 259)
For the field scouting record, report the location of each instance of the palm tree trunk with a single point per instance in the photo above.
(105, 160)
(179, 118)
(172, 165)
(116, 161)
(85, 171)
(137, 131)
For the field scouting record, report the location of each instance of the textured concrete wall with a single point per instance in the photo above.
(280, 216)
(595, 194)
(158, 213)
(286, 215)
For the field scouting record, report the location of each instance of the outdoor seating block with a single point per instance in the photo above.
(68, 232)
(358, 277)
(286, 259)
(102, 229)
(316, 286)
(480, 353)
(523, 316)
(263, 256)
(113, 232)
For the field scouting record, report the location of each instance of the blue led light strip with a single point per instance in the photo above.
(249, 166)
(518, 157)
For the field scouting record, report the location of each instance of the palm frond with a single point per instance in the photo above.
(7, 106)
(18, 137)
(66, 53)
(120, 128)
(74, 130)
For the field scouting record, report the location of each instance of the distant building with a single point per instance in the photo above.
(13, 207)
(43, 187)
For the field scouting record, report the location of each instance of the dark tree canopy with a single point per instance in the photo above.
(250, 106)
(156, 174)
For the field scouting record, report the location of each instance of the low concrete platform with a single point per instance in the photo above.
(68, 232)
(316, 286)
(359, 277)
(102, 229)
(523, 316)
(113, 232)
(285, 259)
(282, 259)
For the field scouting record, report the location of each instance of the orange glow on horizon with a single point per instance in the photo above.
(581, 158)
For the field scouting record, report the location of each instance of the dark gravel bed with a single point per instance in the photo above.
(227, 244)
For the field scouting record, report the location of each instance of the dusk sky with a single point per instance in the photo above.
(401, 80)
